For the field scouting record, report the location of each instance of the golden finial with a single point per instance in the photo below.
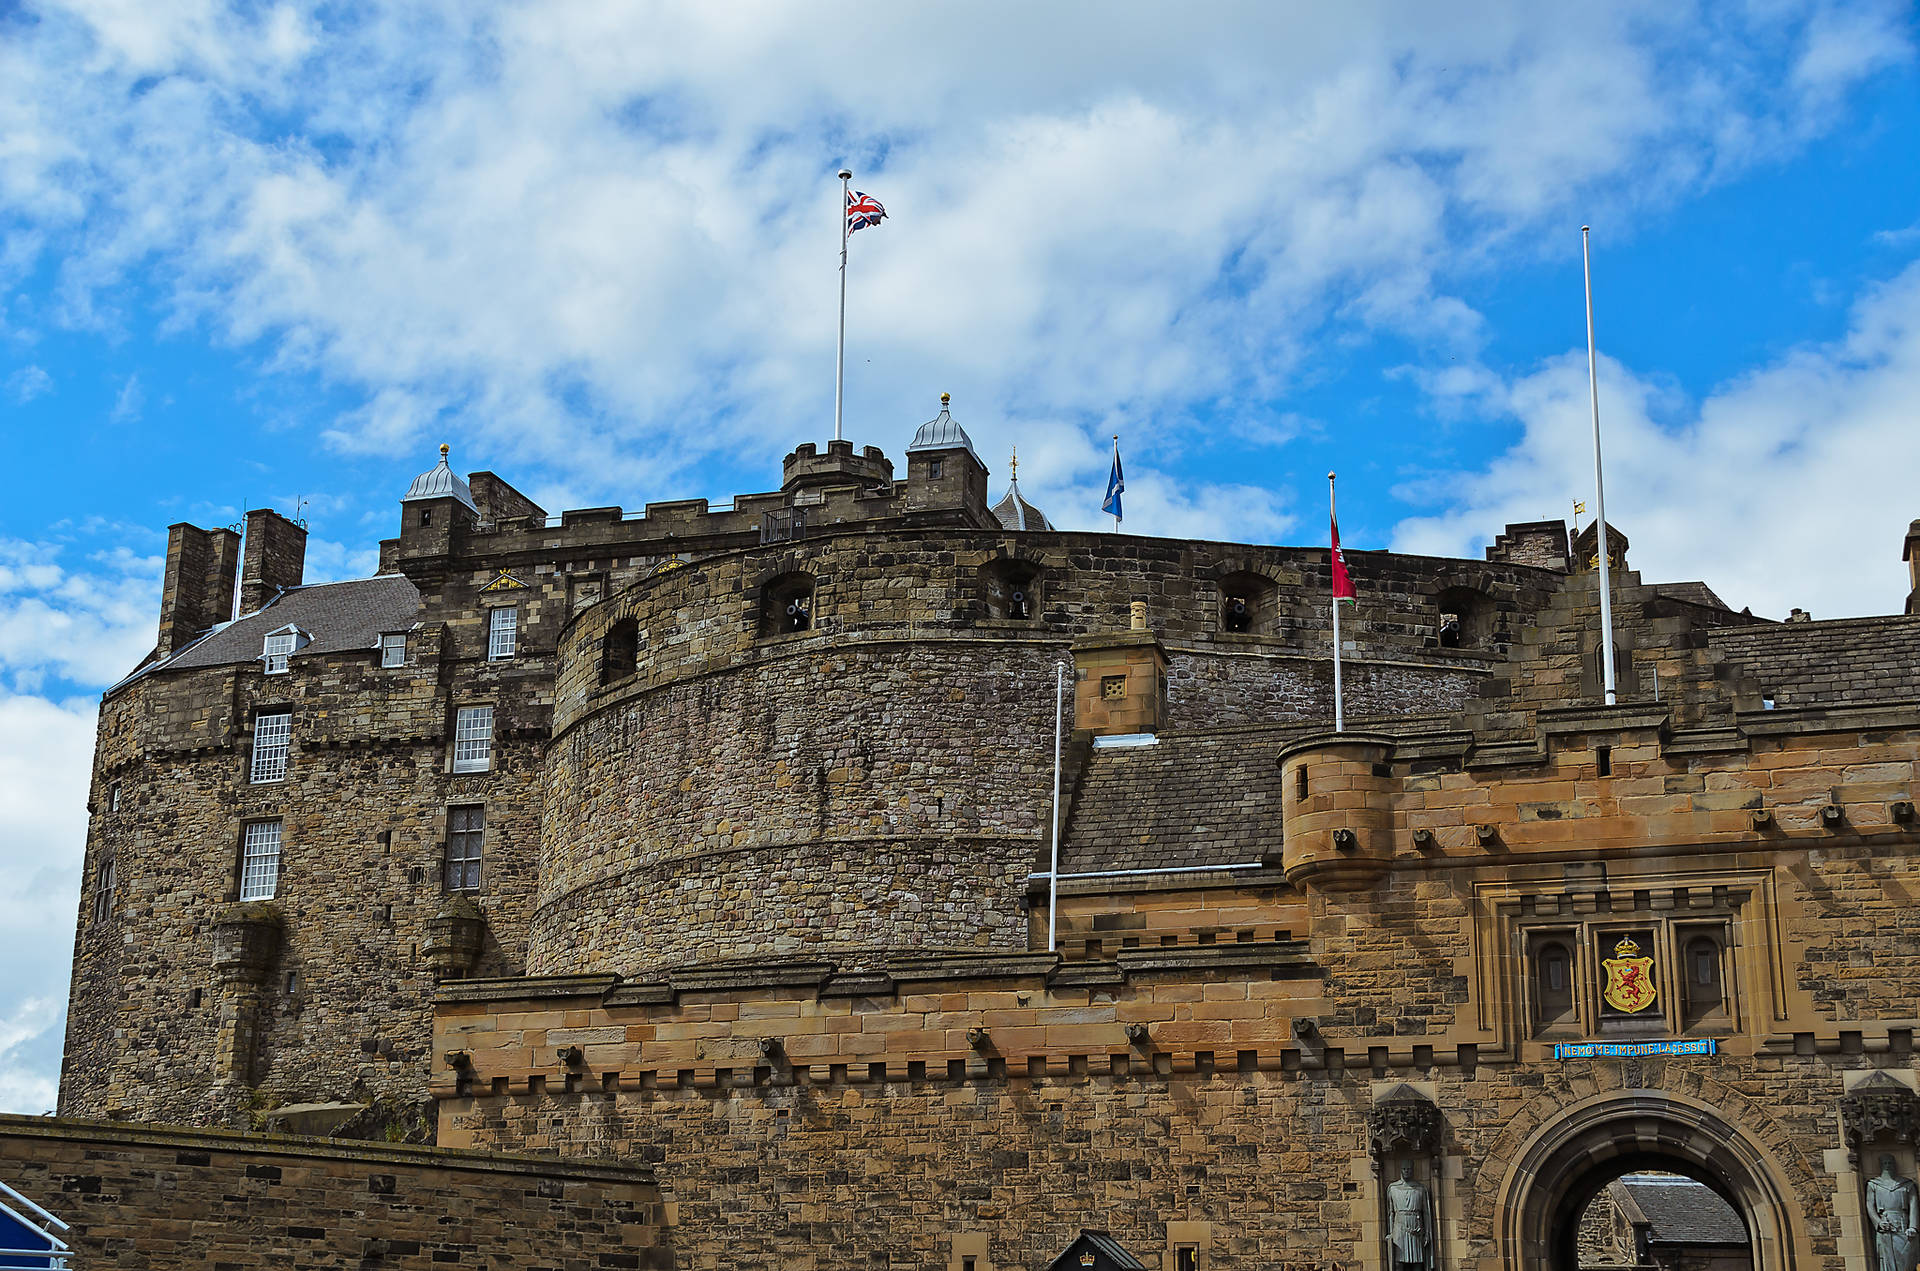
(1013, 461)
(444, 448)
(944, 399)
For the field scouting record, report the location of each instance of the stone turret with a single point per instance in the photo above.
(806, 466)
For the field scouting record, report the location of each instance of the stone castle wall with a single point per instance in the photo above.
(145, 1196)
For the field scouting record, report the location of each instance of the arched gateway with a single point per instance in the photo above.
(1573, 1157)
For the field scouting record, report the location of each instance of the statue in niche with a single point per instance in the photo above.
(1893, 1211)
(1410, 1222)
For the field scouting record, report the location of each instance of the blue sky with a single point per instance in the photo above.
(274, 254)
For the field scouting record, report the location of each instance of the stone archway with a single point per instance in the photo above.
(1576, 1154)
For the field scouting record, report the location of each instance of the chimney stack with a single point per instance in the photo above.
(198, 591)
(1912, 556)
(274, 560)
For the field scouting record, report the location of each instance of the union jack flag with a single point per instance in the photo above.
(863, 210)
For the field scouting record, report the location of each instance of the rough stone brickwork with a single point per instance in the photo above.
(141, 1198)
(272, 560)
(764, 902)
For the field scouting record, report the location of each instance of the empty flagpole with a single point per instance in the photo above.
(1053, 863)
(1599, 482)
(840, 366)
(1339, 705)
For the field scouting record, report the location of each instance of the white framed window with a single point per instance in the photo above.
(276, 650)
(272, 737)
(466, 828)
(393, 649)
(503, 633)
(473, 739)
(113, 797)
(103, 891)
(260, 860)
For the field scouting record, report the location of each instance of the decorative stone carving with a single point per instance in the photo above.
(1893, 1212)
(1879, 1110)
(454, 937)
(1404, 1122)
(1410, 1220)
(246, 940)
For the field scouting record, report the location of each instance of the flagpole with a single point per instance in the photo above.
(1599, 484)
(840, 367)
(1339, 705)
(1053, 861)
(1116, 459)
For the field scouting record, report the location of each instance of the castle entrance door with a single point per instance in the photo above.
(1571, 1159)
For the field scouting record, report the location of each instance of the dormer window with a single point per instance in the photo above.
(280, 645)
(393, 650)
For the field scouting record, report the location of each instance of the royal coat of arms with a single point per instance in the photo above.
(1629, 979)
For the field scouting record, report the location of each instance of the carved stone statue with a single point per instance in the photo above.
(1410, 1219)
(1893, 1211)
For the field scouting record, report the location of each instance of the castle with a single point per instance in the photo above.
(686, 878)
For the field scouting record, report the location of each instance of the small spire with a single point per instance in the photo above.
(1013, 464)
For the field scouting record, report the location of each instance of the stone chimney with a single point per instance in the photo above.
(1120, 680)
(274, 559)
(1912, 556)
(198, 591)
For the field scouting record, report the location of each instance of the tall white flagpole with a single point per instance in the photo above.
(840, 368)
(1339, 704)
(1599, 483)
(1053, 862)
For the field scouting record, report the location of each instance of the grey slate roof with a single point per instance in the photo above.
(338, 617)
(1682, 1211)
(1191, 801)
(941, 433)
(1821, 663)
(1015, 513)
(1694, 593)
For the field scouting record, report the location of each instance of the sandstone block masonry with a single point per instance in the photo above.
(717, 841)
(141, 1197)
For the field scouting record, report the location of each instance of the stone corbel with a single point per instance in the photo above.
(454, 937)
(1403, 1122)
(1877, 1110)
(246, 940)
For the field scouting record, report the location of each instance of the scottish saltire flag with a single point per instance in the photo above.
(1116, 485)
(863, 210)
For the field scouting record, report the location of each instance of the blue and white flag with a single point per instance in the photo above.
(1116, 484)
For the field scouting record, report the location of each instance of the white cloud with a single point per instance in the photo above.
(1792, 485)
(46, 752)
(130, 402)
(602, 238)
(28, 383)
(88, 626)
